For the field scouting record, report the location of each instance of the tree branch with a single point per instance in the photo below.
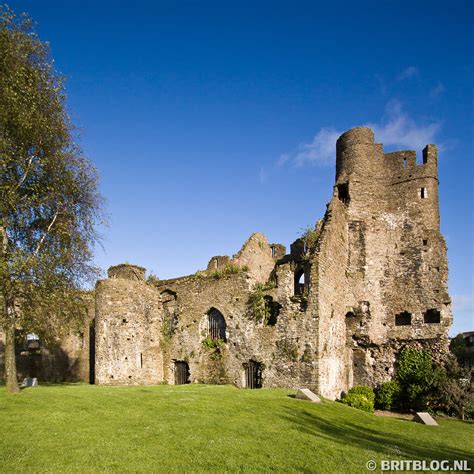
(27, 170)
(48, 230)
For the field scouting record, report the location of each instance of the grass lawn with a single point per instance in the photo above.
(197, 428)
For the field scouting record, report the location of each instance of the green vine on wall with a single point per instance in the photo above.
(214, 346)
(260, 309)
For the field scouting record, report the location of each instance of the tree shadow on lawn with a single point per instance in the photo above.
(381, 440)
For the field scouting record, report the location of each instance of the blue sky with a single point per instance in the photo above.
(209, 121)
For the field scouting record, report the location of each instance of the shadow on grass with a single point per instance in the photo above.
(408, 444)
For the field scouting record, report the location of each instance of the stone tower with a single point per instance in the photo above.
(381, 266)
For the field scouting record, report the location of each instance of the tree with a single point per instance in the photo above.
(458, 347)
(49, 201)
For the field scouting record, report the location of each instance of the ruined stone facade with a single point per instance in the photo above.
(334, 312)
(370, 279)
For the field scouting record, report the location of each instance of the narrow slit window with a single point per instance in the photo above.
(424, 193)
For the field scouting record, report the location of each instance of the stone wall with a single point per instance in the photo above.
(143, 328)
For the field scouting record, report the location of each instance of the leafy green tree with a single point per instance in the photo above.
(453, 391)
(458, 347)
(49, 200)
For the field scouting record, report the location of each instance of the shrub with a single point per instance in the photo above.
(229, 269)
(152, 279)
(416, 375)
(200, 274)
(388, 395)
(309, 236)
(360, 397)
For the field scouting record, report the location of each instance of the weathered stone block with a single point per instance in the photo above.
(306, 394)
(425, 418)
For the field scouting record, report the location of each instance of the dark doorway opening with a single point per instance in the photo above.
(181, 372)
(253, 374)
(92, 352)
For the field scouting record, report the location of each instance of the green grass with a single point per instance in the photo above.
(197, 428)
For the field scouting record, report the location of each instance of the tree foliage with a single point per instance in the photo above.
(458, 347)
(439, 386)
(49, 200)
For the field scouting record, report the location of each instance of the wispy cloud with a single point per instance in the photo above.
(437, 90)
(399, 129)
(463, 304)
(396, 128)
(408, 73)
(320, 150)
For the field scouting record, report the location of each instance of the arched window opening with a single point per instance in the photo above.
(432, 316)
(181, 372)
(216, 325)
(253, 374)
(299, 282)
(170, 312)
(350, 314)
(403, 319)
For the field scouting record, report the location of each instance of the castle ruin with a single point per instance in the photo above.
(334, 312)
(370, 279)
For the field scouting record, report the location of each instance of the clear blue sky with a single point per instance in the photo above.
(209, 121)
